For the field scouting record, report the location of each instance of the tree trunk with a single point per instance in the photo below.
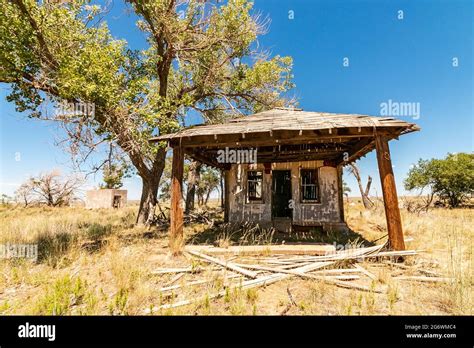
(193, 179)
(364, 194)
(148, 200)
(176, 238)
(150, 182)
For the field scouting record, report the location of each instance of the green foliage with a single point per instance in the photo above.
(113, 175)
(345, 188)
(62, 296)
(119, 303)
(57, 50)
(202, 57)
(451, 178)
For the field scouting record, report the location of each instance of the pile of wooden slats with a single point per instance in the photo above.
(341, 269)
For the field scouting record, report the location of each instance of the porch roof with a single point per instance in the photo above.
(289, 135)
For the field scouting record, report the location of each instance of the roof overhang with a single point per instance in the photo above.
(289, 135)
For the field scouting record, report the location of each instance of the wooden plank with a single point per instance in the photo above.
(340, 255)
(425, 279)
(176, 237)
(367, 273)
(296, 271)
(337, 271)
(263, 139)
(198, 282)
(392, 211)
(177, 270)
(225, 264)
(175, 278)
(287, 249)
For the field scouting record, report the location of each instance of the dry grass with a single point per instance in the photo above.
(97, 262)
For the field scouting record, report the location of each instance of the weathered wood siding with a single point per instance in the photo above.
(326, 211)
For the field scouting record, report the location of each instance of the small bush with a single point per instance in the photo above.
(97, 231)
(64, 294)
(51, 247)
(119, 303)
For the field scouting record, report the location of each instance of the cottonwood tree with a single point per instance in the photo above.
(50, 188)
(202, 56)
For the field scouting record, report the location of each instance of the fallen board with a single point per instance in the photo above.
(312, 249)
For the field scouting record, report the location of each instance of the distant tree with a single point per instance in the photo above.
(209, 181)
(114, 173)
(24, 194)
(49, 188)
(345, 189)
(5, 199)
(112, 177)
(451, 178)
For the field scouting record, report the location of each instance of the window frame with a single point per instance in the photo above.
(247, 197)
(317, 185)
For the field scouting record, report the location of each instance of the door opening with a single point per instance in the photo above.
(281, 194)
(117, 203)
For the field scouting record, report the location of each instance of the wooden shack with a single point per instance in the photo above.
(283, 167)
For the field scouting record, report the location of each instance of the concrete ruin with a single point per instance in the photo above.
(106, 198)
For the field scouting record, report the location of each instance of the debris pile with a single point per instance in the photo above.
(248, 267)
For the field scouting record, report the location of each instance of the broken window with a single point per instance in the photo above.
(254, 185)
(309, 185)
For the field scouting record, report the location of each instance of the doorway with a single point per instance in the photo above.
(117, 203)
(281, 194)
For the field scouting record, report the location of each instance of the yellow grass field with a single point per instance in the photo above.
(98, 262)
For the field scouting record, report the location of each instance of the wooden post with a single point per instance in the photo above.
(226, 195)
(390, 199)
(340, 188)
(176, 211)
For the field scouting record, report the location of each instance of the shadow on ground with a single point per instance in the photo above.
(249, 233)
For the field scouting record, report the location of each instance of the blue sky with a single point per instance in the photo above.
(403, 60)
